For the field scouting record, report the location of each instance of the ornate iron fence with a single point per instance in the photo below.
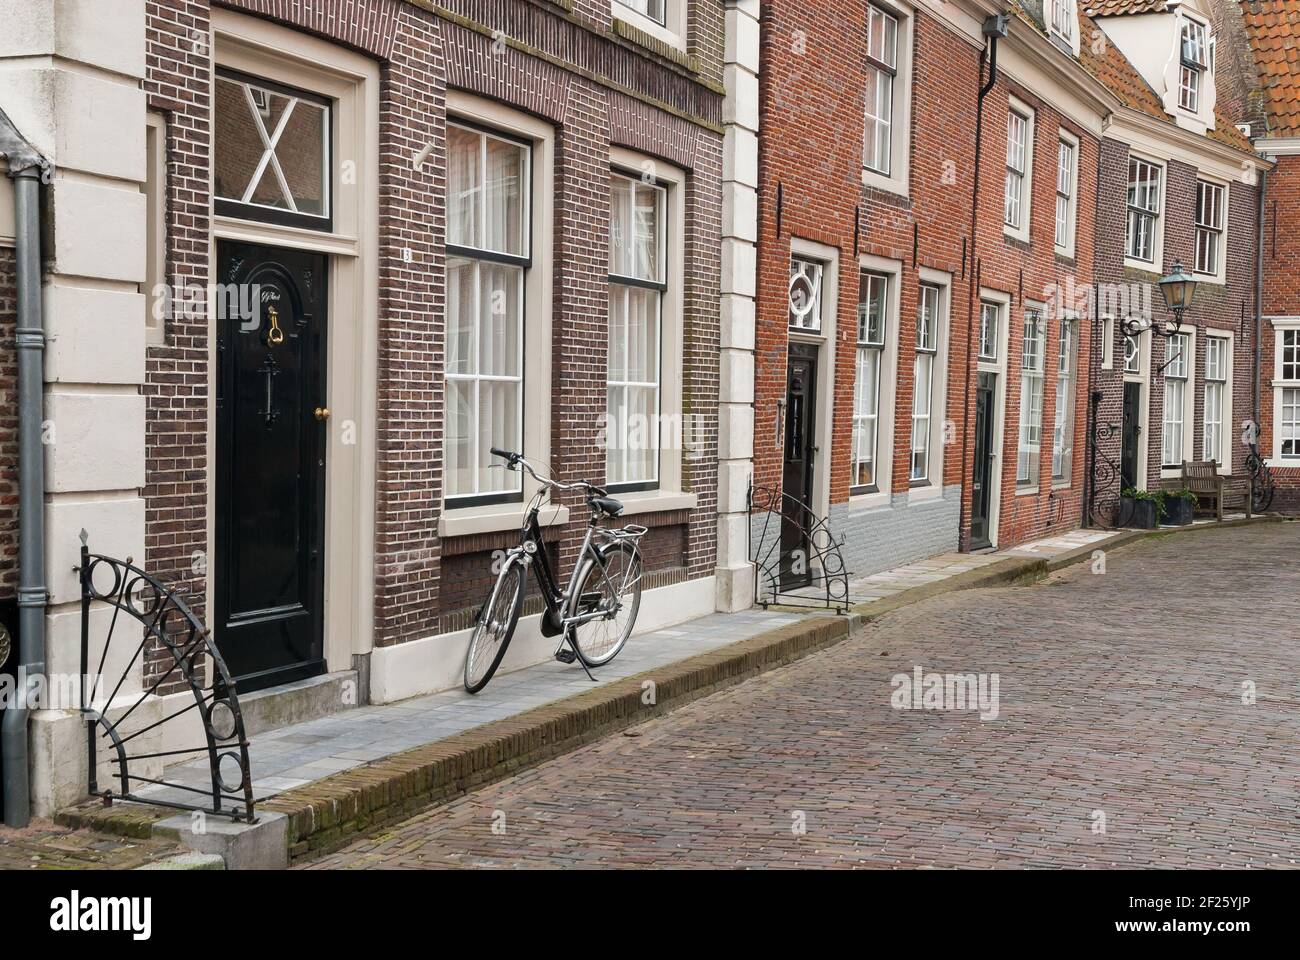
(818, 578)
(1104, 473)
(152, 635)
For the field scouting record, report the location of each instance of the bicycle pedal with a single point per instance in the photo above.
(565, 655)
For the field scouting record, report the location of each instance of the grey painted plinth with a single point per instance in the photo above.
(263, 845)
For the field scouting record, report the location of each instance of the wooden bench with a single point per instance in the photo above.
(1202, 477)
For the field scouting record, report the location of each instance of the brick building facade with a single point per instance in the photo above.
(346, 158)
(1272, 107)
(1161, 401)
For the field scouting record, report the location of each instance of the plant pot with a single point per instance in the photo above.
(1140, 514)
(1178, 512)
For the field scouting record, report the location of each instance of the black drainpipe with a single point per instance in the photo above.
(1259, 290)
(995, 29)
(27, 169)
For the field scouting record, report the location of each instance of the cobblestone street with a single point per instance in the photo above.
(1122, 739)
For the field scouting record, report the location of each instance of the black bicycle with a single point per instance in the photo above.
(593, 617)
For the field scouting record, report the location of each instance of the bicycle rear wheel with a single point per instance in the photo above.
(495, 626)
(618, 591)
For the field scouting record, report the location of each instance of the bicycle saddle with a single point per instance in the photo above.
(606, 505)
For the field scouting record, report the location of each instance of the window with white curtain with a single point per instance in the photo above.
(929, 305)
(1178, 363)
(488, 253)
(881, 74)
(1031, 399)
(873, 319)
(1063, 427)
(637, 282)
(656, 10)
(1216, 388)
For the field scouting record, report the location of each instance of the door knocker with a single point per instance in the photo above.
(275, 335)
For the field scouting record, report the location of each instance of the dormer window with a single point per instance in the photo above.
(1195, 49)
(1062, 22)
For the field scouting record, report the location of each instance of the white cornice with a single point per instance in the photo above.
(1278, 146)
(1166, 141)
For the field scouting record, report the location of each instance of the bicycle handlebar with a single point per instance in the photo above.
(514, 460)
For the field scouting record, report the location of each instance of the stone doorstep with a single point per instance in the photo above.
(326, 814)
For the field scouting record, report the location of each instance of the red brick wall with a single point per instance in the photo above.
(1281, 299)
(811, 149)
(421, 55)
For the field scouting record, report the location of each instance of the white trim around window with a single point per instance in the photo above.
(1067, 189)
(886, 153)
(1210, 221)
(673, 432)
(1179, 408)
(879, 348)
(928, 484)
(535, 337)
(1018, 188)
(1217, 433)
(662, 19)
(1286, 392)
(1144, 240)
(1137, 366)
(1068, 328)
(1033, 390)
(1107, 343)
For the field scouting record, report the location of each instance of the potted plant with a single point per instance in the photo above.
(1178, 507)
(1140, 508)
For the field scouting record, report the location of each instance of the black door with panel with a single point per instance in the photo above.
(800, 457)
(982, 481)
(272, 423)
(1131, 437)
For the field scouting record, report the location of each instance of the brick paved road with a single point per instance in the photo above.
(1120, 694)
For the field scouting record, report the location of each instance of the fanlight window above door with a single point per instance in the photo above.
(272, 153)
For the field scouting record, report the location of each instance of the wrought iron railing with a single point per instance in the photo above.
(817, 578)
(154, 642)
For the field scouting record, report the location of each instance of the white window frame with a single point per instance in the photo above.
(1107, 342)
(1183, 371)
(1193, 75)
(1282, 384)
(461, 519)
(155, 191)
(991, 323)
(1067, 188)
(1157, 216)
(996, 363)
(1017, 208)
(871, 340)
(931, 483)
(1033, 371)
(1065, 412)
(669, 494)
(1063, 22)
(671, 31)
(621, 287)
(878, 494)
(1225, 345)
(1220, 232)
(807, 286)
(897, 179)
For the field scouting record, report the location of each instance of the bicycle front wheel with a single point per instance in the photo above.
(494, 627)
(615, 593)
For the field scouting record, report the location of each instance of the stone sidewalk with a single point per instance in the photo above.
(296, 755)
(45, 846)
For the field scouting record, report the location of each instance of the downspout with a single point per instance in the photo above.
(995, 28)
(1259, 291)
(27, 169)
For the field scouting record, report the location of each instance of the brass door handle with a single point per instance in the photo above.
(322, 413)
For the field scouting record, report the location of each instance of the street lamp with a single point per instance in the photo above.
(1177, 288)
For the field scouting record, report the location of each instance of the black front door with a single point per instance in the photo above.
(982, 481)
(268, 570)
(797, 473)
(1128, 464)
